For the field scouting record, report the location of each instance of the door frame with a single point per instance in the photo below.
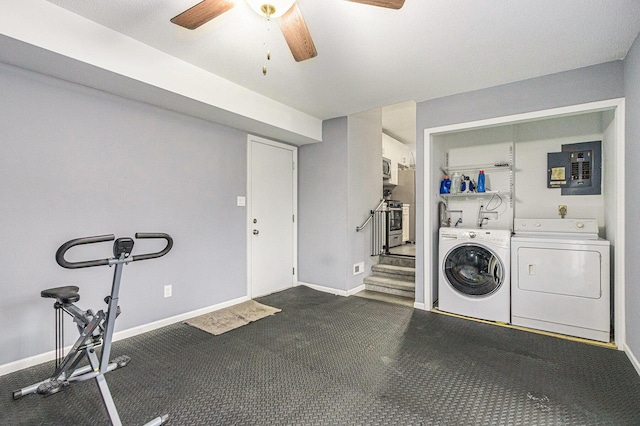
(249, 224)
(430, 179)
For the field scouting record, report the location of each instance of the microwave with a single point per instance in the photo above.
(386, 168)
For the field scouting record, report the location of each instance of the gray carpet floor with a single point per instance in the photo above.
(330, 360)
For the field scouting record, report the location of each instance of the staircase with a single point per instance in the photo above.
(394, 275)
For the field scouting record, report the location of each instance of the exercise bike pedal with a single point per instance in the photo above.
(122, 360)
(107, 300)
(52, 386)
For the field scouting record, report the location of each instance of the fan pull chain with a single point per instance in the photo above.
(267, 39)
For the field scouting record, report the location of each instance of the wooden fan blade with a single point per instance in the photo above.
(297, 34)
(391, 4)
(202, 13)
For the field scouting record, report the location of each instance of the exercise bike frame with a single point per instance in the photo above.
(95, 329)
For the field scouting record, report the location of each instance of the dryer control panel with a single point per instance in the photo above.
(583, 228)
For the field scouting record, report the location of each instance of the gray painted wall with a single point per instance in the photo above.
(590, 84)
(79, 162)
(364, 191)
(322, 208)
(339, 181)
(632, 208)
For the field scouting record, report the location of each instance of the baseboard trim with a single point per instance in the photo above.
(632, 358)
(134, 331)
(355, 290)
(419, 305)
(326, 289)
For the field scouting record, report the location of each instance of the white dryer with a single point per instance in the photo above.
(474, 273)
(560, 277)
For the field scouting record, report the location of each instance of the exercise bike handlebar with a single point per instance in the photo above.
(80, 241)
(143, 235)
(110, 237)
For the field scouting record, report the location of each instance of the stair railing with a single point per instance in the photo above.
(379, 228)
(366, 222)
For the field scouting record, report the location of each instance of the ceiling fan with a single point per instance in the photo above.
(292, 23)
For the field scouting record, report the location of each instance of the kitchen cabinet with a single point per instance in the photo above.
(398, 153)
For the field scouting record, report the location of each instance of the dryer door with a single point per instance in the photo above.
(473, 270)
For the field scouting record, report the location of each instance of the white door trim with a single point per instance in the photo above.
(430, 244)
(249, 224)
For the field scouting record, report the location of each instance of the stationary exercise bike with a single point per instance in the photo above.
(96, 329)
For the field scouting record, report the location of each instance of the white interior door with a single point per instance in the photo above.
(272, 209)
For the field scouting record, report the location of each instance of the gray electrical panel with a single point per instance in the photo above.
(577, 170)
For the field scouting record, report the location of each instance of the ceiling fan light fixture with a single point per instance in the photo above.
(270, 8)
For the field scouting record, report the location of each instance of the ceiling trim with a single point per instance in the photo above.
(170, 82)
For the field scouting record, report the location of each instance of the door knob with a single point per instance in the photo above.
(256, 232)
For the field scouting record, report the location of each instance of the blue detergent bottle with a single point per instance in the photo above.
(481, 181)
(445, 185)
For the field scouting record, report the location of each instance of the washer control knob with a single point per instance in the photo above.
(580, 225)
(472, 234)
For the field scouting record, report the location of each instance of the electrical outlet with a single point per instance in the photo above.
(358, 268)
(167, 290)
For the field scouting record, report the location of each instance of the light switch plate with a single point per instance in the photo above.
(242, 201)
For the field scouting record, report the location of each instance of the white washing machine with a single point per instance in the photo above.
(560, 277)
(474, 273)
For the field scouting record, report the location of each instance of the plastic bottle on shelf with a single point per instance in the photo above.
(481, 181)
(455, 183)
(466, 185)
(445, 185)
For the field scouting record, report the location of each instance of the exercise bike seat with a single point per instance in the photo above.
(65, 295)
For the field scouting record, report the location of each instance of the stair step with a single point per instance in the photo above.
(390, 286)
(409, 262)
(392, 291)
(394, 271)
(385, 297)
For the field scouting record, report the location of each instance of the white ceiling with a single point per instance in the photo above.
(370, 57)
(399, 122)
